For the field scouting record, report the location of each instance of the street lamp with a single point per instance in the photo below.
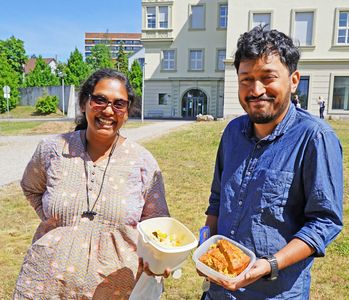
(61, 75)
(142, 108)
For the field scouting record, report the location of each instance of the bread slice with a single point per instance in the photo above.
(236, 258)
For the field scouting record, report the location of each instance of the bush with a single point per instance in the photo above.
(47, 104)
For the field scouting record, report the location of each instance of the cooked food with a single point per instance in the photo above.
(226, 258)
(166, 240)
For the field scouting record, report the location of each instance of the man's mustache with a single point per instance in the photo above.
(260, 98)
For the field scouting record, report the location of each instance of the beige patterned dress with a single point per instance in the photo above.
(74, 257)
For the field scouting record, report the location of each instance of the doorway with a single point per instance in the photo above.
(194, 102)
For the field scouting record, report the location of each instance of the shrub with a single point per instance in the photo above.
(47, 104)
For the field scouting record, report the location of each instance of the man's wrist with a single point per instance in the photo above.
(274, 268)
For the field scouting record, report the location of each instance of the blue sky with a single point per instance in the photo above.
(53, 28)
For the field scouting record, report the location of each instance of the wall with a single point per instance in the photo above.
(29, 96)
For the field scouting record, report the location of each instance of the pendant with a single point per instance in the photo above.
(89, 214)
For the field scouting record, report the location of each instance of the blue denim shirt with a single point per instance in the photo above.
(267, 192)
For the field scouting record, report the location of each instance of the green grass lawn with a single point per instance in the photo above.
(186, 158)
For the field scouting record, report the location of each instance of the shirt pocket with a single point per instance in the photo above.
(274, 197)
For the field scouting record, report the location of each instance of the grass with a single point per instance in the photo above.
(186, 158)
(26, 112)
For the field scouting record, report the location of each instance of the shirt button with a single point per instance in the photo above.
(94, 165)
(240, 203)
(92, 180)
(258, 146)
(262, 210)
(248, 173)
(90, 189)
(232, 232)
(93, 173)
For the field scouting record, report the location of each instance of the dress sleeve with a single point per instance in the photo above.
(33, 182)
(323, 187)
(153, 190)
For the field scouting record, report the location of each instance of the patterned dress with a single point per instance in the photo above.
(73, 257)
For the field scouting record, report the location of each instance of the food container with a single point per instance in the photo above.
(205, 246)
(158, 256)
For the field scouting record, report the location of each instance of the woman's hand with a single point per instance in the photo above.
(258, 270)
(144, 267)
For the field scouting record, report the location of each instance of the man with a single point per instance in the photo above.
(278, 184)
(321, 103)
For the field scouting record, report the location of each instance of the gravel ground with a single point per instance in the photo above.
(16, 151)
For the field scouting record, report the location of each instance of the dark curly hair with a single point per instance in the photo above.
(89, 85)
(259, 42)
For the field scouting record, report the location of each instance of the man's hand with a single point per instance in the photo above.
(258, 270)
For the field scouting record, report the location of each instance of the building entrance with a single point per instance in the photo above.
(194, 102)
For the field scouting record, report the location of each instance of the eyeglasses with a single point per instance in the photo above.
(100, 103)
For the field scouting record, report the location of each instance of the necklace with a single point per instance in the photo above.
(90, 213)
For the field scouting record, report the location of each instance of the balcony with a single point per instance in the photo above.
(157, 35)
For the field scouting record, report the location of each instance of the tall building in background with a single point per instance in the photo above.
(131, 41)
(189, 47)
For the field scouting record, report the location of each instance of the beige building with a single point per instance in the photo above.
(189, 47)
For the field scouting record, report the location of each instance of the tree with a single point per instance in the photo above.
(136, 77)
(76, 69)
(14, 51)
(121, 63)
(100, 57)
(41, 75)
(8, 77)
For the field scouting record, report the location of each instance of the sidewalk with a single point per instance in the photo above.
(16, 151)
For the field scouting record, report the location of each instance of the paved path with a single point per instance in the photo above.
(16, 151)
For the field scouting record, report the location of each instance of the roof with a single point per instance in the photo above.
(30, 65)
(103, 35)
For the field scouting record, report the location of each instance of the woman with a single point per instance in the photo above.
(90, 188)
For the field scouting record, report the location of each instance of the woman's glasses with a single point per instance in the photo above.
(100, 103)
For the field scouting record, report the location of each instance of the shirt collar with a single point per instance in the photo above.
(280, 129)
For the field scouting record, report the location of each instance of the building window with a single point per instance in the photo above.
(196, 60)
(303, 91)
(223, 16)
(304, 24)
(197, 20)
(168, 60)
(261, 19)
(151, 17)
(163, 17)
(343, 28)
(163, 99)
(341, 93)
(220, 59)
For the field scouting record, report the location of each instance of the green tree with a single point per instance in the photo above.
(76, 69)
(41, 75)
(14, 51)
(121, 63)
(100, 57)
(8, 77)
(136, 77)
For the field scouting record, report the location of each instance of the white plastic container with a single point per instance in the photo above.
(205, 246)
(158, 256)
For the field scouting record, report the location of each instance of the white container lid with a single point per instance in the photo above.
(205, 246)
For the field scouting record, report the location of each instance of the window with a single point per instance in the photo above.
(163, 17)
(168, 60)
(303, 31)
(151, 17)
(261, 19)
(197, 20)
(196, 60)
(303, 91)
(163, 99)
(343, 28)
(223, 16)
(220, 59)
(340, 93)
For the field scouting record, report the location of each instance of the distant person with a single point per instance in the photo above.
(296, 101)
(90, 188)
(321, 102)
(278, 179)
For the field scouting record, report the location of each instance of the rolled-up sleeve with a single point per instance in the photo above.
(214, 200)
(323, 187)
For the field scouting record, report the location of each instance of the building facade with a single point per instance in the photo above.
(189, 47)
(184, 52)
(319, 27)
(130, 41)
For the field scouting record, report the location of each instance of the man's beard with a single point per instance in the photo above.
(268, 116)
